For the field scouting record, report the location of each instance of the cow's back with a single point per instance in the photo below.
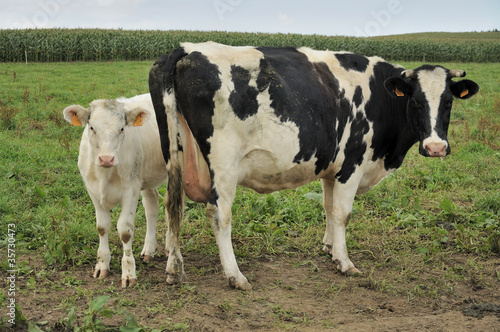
(283, 110)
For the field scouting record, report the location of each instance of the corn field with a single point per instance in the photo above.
(58, 45)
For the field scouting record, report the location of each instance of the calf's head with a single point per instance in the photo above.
(107, 122)
(429, 91)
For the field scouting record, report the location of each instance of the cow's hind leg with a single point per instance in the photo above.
(150, 203)
(337, 200)
(219, 213)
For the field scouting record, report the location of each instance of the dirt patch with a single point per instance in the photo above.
(295, 292)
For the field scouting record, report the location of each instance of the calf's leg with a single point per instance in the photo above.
(125, 226)
(150, 203)
(103, 223)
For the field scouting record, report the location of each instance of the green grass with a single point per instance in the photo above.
(43, 193)
(419, 217)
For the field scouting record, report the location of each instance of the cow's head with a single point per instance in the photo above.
(430, 91)
(106, 124)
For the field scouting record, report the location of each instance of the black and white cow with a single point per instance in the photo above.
(277, 118)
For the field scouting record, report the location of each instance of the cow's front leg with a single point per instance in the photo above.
(150, 203)
(125, 227)
(103, 223)
(219, 213)
(337, 201)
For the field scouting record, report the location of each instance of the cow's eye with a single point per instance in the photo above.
(121, 130)
(92, 128)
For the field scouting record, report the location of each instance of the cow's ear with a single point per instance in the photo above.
(76, 115)
(464, 89)
(396, 87)
(136, 116)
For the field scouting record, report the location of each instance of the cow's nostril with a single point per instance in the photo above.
(436, 149)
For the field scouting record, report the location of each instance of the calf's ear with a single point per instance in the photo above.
(464, 89)
(76, 115)
(396, 87)
(136, 116)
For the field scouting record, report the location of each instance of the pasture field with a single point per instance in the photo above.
(426, 239)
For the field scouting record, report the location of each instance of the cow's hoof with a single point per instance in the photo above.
(245, 285)
(147, 258)
(101, 274)
(327, 249)
(173, 279)
(128, 282)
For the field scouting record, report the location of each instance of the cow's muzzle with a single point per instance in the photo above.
(439, 149)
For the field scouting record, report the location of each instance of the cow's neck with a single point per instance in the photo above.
(401, 135)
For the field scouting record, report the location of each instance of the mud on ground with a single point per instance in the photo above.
(294, 292)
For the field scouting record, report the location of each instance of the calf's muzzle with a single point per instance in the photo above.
(106, 161)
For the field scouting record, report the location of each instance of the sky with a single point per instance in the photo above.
(321, 17)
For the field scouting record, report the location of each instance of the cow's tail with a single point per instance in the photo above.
(162, 89)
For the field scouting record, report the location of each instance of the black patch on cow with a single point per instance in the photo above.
(392, 134)
(197, 80)
(243, 98)
(357, 99)
(161, 79)
(351, 61)
(214, 196)
(355, 148)
(179, 143)
(308, 95)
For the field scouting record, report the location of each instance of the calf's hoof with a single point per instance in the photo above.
(128, 282)
(101, 274)
(351, 271)
(244, 285)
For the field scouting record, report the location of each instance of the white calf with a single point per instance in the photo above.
(120, 156)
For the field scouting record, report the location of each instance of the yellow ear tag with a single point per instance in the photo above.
(75, 121)
(138, 120)
(464, 93)
(398, 92)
